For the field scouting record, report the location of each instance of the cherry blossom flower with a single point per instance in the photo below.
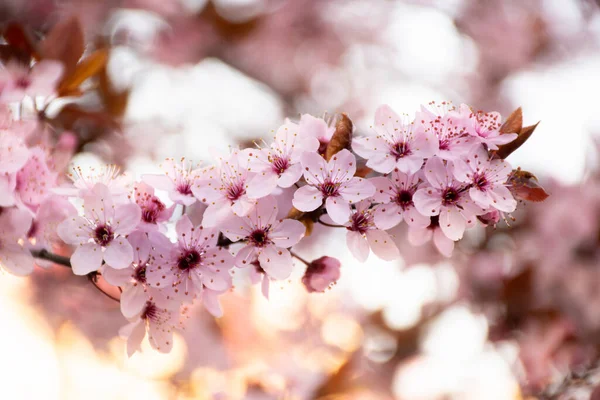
(85, 179)
(18, 81)
(487, 179)
(224, 190)
(418, 236)
(279, 165)
(154, 211)
(14, 225)
(266, 238)
(321, 274)
(159, 322)
(450, 128)
(100, 233)
(333, 182)
(396, 144)
(135, 288)
(486, 127)
(363, 236)
(318, 128)
(193, 262)
(178, 180)
(447, 198)
(395, 193)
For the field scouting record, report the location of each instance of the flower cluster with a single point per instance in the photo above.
(441, 173)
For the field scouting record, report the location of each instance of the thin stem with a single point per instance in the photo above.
(92, 278)
(329, 225)
(299, 258)
(44, 254)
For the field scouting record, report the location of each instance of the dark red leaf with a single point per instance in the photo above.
(64, 42)
(524, 186)
(342, 137)
(509, 148)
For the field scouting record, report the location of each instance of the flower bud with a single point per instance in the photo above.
(321, 274)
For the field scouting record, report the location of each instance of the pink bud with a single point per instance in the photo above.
(490, 218)
(321, 274)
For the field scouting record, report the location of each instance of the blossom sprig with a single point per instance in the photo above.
(441, 173)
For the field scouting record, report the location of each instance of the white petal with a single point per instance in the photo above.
(382, 245)
(86, 258)
(358, 245)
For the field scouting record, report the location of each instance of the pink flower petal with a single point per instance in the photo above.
(436, 172)
(119, 253)
(135, 333)
(86, 258)
(342, 166)
(382, 245)
(452, 223)
(356, 190)
(358, 245)
(127, 218)
(307, 198)
(133, 300)
(74, 230)
(183, 228)
(314, 166)
(210, 300)
(116, 277)
(262, 184)
(287, 233)
(276, 262)
(428, 201)
(442, 243)
(290, 176)
(338, 209)
(387, 216)
(245, 256)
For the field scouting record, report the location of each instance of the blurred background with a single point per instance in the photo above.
(512, 315)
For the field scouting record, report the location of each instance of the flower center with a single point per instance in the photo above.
(235, 191)
(480, 181)
(188, 260)
(152, 209)
(184, 188)
(259, 238)
(404, 199)
(400, 150)
(103, 235)
(279, 164)
(140, 273)
(23, 82)
(444, 144)
(450, 196)
(150, 311)
(360, 222)
(329, 189)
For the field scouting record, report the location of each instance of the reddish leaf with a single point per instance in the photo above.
(363, 171)
(342, 137)
(524, 186)
(10, 53)
(88, 67)
(509, 148)
(295, 213)
(64, 42)
(514, 122)
(16, 37)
